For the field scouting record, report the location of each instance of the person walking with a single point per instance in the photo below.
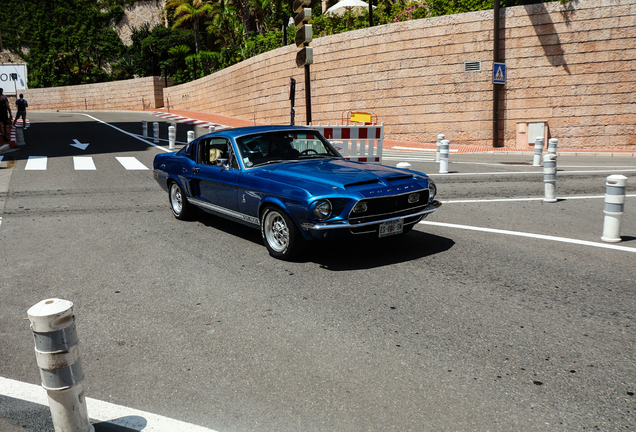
(22, 105)
(5, 116)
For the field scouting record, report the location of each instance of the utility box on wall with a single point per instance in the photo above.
(529, 130)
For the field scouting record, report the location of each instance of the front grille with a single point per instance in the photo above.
(389, 207)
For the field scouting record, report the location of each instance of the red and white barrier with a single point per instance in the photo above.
(357, 143)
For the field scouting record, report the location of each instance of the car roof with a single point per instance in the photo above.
(249, 130)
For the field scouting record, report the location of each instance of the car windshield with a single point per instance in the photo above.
(283, 146)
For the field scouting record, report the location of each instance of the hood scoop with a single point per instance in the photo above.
(362, 183)
(399, 178)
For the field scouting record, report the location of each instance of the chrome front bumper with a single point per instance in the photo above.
(321, 226)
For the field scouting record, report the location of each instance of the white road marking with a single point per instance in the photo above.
(83, 163)
(535, 236)
(36, 163)
(102, 411)
(559, 173)
(524, 199)
(131, 163)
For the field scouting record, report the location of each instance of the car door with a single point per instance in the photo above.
(215, 174)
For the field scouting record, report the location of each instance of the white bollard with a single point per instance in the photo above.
(552, 146)
(549, 177)
(172, 135)
(58, 357)
(403, 165)
(155, 132)
(211, 129)
(440, 138)
(538, 151)
(614, 207)
(190, 136)
(144, 128)
(444, 148)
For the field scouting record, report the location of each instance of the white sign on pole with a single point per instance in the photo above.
(13, 78)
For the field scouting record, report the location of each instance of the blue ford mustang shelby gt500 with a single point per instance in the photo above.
(291, 183)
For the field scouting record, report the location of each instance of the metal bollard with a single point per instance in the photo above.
(144, 128)
(549, 177)
(58, 357)
(443, 156)
(552, 146)
(155, 131)
(190, 136)
(538, 151)
(404, 165)
(440, 138)
(211, 129)
(614, 207)
(172, 134)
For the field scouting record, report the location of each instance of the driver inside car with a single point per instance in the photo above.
(281, 147)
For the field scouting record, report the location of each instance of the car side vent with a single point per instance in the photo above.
(474, 66)
(398, 178)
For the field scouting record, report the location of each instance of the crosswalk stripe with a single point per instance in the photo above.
(36, 163)
(131, 163)
(83, 163)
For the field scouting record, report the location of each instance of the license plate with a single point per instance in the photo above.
(391, 228)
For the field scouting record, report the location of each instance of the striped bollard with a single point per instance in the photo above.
(155, 132)
(538, 151)
(190, 135)
(549, 177)
(144, 128)
(443, 156)
(172, 134)
(58, 357)
(614, 207)
(440, 138)
(552, 146)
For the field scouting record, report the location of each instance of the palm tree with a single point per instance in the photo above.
(190, 12)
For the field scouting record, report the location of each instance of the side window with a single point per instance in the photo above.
(213, 151)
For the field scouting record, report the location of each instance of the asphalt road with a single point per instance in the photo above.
(443, 329)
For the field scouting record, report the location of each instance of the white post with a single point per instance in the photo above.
(58, 357)
(538, 151)
(211, 129)
(614, 207)
(440, 138)
(549, 177)
(144, 128)
(444, 148)
(172, 133)
(190, 136)
(155, 132)
(552, 146)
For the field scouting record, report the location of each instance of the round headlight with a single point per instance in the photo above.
(361, 207)
(432, 189)
(323, 209)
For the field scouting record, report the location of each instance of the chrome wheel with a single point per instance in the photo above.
(181, 208)
(276, 231)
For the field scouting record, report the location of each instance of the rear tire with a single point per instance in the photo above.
(181, 208)
(280, 235)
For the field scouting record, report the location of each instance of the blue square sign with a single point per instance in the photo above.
(499, 73)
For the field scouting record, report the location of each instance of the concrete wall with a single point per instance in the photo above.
(573, 65)
(136, 94)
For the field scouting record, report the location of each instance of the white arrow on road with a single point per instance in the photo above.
(79, 145)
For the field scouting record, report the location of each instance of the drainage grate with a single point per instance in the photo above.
(474, 66)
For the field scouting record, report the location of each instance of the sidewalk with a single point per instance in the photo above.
(218, 119)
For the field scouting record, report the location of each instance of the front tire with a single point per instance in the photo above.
(280, 235)
(181, 208)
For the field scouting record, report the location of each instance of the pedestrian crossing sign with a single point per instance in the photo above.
(499, 73)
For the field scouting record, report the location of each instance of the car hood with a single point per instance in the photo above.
(341, 174)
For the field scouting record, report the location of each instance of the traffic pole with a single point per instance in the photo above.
(155, 132)
(144, 128)
(172, 133)
(549, 177)
(614, 208)
(538, 151)
(443, 156)
(58, 357)
(552, 146)
(440, 138)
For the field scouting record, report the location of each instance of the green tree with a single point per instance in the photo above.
(190, 13)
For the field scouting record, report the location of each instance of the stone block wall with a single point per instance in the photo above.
(136, 94)
(573, 65)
